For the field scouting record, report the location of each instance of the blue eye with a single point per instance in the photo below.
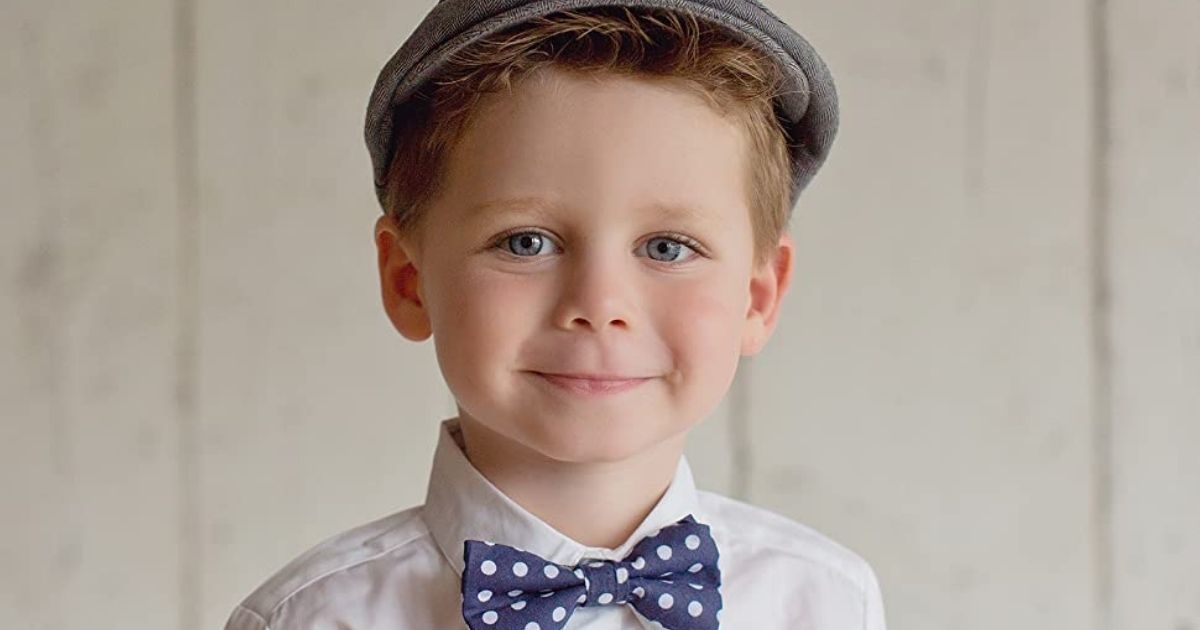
(670, 247)
(518, 242)
(529, 243)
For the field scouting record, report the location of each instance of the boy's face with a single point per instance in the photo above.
(588, 280)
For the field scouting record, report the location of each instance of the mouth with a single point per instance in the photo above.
(591, 385)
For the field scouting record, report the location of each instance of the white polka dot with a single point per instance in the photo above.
(605, 598)
(488, 567)
(550, 570)
(579, 573)
(694, 609)
(514, 593)
(559, 614)
(489, 543)
(622, 575)
(639, 563)
(665, 601)
(698, 587)
(546, 594)
(664, 552)
(595, 564)
(518, 605)
(519, 569)
(582, 598)
(532, 625)
(692, 541)
(490, 617)
(639, 591)
(695, 568)
(485, 595)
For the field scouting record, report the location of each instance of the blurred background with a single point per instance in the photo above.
(986, 380)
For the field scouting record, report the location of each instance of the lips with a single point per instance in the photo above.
(592, 377)
(592, 384)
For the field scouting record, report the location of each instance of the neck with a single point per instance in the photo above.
(597, 504)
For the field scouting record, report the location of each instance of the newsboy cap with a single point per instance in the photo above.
(807, 106)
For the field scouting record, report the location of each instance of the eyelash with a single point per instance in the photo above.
(688, 241)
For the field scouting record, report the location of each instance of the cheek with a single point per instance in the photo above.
(701, 327)
(701, 323)
(486, 318)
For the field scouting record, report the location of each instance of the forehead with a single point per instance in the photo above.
(635, 148)
(539, 206)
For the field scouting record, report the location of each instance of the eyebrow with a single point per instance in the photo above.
(543, 207)
(533, 205)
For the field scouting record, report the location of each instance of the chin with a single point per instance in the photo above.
(592, 446)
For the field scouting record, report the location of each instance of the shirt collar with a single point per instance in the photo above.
(461, 504)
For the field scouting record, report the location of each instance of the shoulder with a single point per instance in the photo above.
(336, 555)
(748, 530)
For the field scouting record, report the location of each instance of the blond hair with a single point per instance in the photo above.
(736, 79)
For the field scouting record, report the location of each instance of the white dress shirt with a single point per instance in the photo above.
(403, 571)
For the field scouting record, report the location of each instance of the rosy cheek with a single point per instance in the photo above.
(495, 306)
(699, 317)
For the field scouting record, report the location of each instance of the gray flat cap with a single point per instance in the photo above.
(807, 105)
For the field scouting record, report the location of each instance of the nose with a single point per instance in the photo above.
(596, 292)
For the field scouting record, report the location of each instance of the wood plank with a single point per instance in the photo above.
(87, 336)
(1154, 234)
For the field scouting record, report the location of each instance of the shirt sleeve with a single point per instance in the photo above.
(243, 618)
(873, 603)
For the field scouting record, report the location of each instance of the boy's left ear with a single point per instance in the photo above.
(768, 284)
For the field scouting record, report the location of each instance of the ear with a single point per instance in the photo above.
(401, 281)
(768, 284)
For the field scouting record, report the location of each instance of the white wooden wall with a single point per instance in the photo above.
(986, 380)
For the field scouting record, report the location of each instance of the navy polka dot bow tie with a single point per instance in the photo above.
(670, 577)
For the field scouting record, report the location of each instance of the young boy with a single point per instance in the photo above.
(587, 210)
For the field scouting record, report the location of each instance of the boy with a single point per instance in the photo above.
(586, 207)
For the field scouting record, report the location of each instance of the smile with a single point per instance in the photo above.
(590, 386)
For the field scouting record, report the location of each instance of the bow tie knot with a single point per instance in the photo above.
(671, 576)
(600, 578)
